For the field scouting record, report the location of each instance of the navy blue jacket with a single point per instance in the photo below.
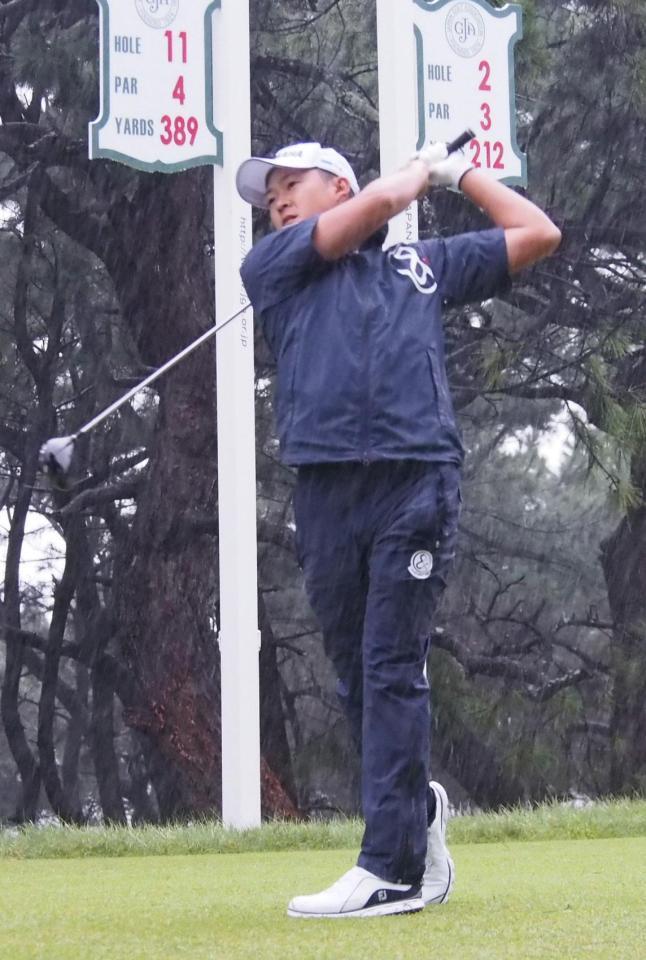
(359, 343)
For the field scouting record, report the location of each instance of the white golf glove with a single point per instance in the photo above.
(57, 454)
(434, 153)
(444, 170)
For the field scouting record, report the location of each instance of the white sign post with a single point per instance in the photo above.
(397, 102)
(444, 66)
(239, 634)
(169, 70)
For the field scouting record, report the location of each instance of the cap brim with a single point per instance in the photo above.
(251, 178)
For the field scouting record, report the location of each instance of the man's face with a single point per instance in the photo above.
(295, 195)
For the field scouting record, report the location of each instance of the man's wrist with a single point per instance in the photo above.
(418, 169)
(461, 178)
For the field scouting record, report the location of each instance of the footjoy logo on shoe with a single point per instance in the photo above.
(421, 564)
(382, 896)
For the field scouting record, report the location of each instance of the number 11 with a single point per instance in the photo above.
(169, 40)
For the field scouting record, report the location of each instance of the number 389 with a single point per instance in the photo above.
(178, 130)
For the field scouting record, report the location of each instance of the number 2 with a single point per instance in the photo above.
(485, 69)
(500, 150)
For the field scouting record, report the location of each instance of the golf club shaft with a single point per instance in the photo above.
(100, 417)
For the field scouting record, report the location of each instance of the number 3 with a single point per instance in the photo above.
(167, 136)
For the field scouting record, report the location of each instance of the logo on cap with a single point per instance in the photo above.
(291, 152)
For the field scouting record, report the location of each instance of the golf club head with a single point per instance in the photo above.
(55, 458)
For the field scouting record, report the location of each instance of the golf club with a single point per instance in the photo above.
(460, 141)
(56, 454)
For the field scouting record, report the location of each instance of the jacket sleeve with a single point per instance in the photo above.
(470, 267)
(281, 264)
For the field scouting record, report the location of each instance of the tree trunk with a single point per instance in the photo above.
(279, 792)
(624, 565)
(165, 576)
(106, 763)
(63, 595)
(28, 768)
(76, 730)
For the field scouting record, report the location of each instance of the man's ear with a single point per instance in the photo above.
(342, 189)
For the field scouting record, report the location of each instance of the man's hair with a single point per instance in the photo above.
(328, 175)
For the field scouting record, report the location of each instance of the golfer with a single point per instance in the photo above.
(364, 413)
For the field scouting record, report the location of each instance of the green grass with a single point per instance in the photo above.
(617, 818)
(576, 900)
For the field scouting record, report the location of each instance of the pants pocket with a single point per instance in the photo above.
(449, 508)
(441, 390)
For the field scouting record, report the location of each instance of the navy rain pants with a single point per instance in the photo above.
(375, 543)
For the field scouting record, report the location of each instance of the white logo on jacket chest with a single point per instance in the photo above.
(416, 269)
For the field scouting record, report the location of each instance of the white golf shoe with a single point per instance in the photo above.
(358, 893)
(439, 875)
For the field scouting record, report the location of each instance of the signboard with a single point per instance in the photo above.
(445, 66)
(156, 85)
(464, 51)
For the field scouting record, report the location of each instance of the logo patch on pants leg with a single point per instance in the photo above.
(421, 564)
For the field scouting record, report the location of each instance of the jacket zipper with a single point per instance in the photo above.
(365, 452)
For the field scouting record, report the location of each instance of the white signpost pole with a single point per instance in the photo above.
(239, 634)
(169, 70)
(397, 103)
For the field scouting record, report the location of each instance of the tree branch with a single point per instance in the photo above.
(97, 496)
(536, 687)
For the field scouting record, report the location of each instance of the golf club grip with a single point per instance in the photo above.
(460, 141)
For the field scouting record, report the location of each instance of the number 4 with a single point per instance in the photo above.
(178, 92)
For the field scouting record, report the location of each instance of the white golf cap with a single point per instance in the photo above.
(251, 179)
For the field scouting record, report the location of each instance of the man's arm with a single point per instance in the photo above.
(530, 235)
(345, 227)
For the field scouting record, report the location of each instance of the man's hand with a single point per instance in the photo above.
(431, 155)
(444, 170)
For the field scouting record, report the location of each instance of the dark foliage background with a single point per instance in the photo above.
(108, 654)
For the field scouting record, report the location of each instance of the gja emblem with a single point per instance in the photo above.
(157, 13)
(416, 270)
(465, 29)
(421, 564)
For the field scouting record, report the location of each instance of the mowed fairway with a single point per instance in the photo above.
(515, 901)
